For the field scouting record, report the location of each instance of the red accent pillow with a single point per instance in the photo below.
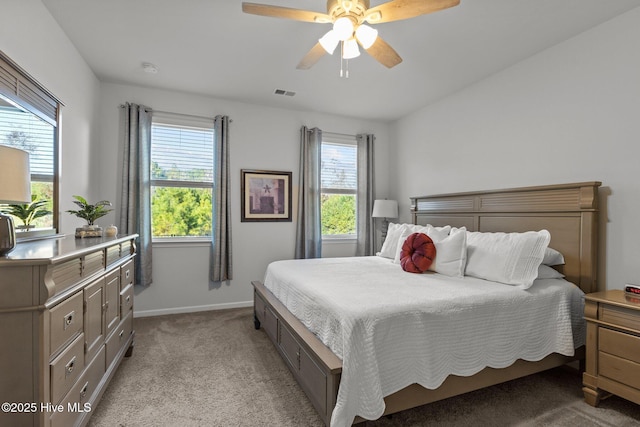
(417, 254)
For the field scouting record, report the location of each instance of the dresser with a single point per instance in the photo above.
(613, 346)
(66, 322)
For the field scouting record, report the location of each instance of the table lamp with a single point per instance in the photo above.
(385, 209)
(15, 187)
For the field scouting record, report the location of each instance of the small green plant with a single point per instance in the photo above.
(28, 212)
(88, 211)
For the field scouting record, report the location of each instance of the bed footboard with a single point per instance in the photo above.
(314, 366)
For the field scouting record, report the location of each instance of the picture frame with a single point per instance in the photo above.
(265, 196)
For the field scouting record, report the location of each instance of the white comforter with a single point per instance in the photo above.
(392, 328)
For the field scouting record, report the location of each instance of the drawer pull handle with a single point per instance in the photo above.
(83, 392)
(121, 333)
(68, 369)
(126, 274)
(68, 320)
(128, 299)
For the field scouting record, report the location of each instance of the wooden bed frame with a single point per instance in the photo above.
(568, 211)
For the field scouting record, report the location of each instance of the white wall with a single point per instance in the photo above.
(46, 53)
(261, 138)
(567, 114)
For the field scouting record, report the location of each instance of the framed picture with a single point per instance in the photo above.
(266, 195)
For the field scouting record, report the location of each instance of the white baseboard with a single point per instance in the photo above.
(193, 309)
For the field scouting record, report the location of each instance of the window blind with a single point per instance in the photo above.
(181, 153)
(18, 86)
(23, 130)
(339, 167)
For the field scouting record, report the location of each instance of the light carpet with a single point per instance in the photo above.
(214, 369)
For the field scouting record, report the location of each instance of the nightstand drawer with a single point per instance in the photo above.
(620, 344)
(619, 369)
(620, 316)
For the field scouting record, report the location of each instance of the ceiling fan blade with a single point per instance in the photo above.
(311, 57)
(384, 53)
(396, 10)
(285, 12)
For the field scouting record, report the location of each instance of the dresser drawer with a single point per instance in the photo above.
(119, 337)
(66, 274)
(126, 301)
(92, 263)
(620, 316)
(126, 248)
(126, 274)
(66, 368)
(113, 254)
(620, 344)
(80, 393)
(65, 321)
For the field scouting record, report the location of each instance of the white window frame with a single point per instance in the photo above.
(180, 120)
(341, 139)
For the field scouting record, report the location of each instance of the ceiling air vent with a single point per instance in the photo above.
(284, 92)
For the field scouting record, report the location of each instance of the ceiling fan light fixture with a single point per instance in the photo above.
(366, 35)
(343, 28)
(350, 49)
(329, 41)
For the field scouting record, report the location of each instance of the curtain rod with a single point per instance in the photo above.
(339, 134)
(180, 114)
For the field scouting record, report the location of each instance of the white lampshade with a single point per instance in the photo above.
(15, 178)
(329, 42)
(343, 28)
(350, 49)
(385, 209)
(15, 188)
(366, 35)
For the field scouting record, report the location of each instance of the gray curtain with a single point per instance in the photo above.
(308, 229)
(220, 264)
(366, 195)
(135, 202)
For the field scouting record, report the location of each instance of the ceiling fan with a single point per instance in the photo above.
(349, 28)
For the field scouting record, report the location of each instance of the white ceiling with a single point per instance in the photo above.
(210, 47)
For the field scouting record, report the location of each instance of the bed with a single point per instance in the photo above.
(569, 212)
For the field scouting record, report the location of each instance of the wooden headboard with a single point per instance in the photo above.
(568, 211)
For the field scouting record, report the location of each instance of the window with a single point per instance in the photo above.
(339, 186)
(181, 178)
(29, 118)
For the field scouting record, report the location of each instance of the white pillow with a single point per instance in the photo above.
(390, 248)
(546, 272)
(510, 258)
(451, 249)
(552, 257)
(390, 244)
(451, 253)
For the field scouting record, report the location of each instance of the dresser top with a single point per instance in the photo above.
(59, 249)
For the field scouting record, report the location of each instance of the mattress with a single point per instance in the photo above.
(392, 328)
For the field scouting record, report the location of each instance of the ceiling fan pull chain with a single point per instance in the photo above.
(341, 55)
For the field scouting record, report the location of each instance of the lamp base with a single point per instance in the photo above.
(385, 228)
(7, 234)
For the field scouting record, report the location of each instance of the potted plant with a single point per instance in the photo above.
(90, 213)
(28, 212)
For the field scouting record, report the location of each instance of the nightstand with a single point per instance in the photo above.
(613, 346)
